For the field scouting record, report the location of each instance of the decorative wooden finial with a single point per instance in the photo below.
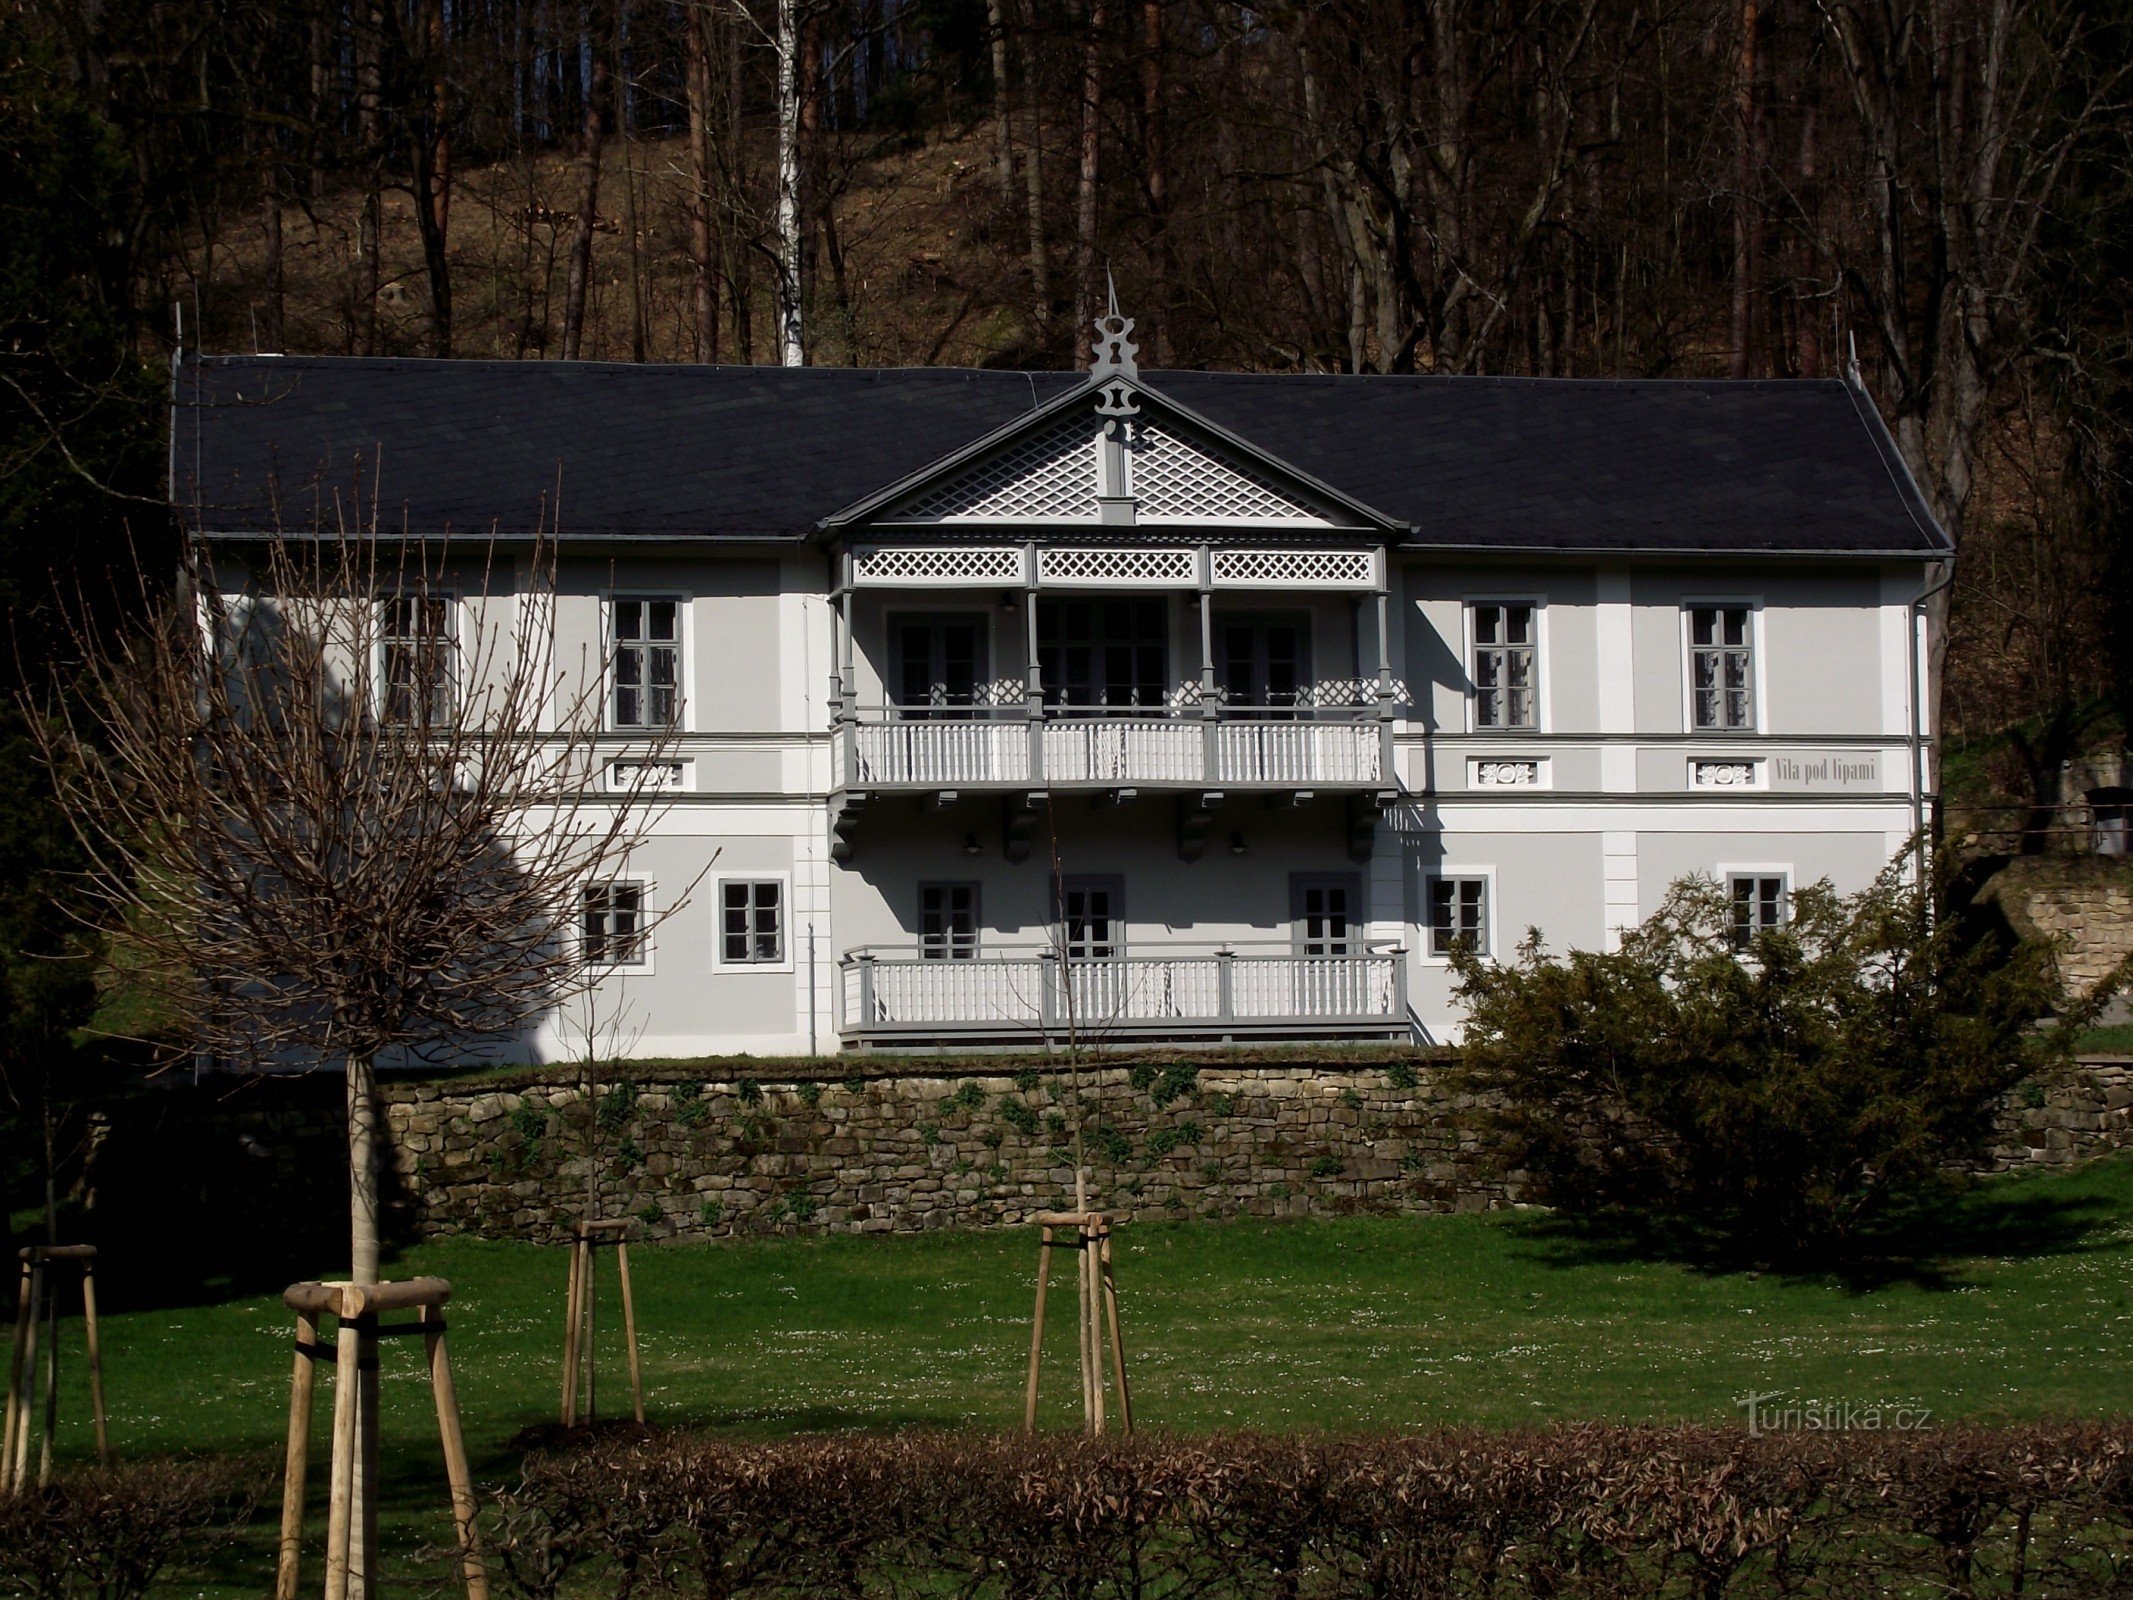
(1114, 368)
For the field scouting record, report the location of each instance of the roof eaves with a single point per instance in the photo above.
(1901, 478)
(1679, 552)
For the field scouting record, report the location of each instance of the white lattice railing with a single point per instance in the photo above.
(985, 746)
(1198, 991)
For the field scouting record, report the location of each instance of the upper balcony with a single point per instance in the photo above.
(1162, 666)
(1188, 746)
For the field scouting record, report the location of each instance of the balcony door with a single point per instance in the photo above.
(1090, 923)
(1263, 663)
(1325, 910)
(1111, 653)
(1091, 914)
(937, 664)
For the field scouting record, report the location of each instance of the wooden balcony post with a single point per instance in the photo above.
(1385, 692)
(1049, 974)
(866, 989)
(1210, 696)
(1225, 984)
(1399, 981)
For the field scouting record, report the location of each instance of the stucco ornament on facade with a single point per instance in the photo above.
(1507, 774)
(1723, 774)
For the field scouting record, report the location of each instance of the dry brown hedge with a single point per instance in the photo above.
(121, 1533)
(1591, 1511)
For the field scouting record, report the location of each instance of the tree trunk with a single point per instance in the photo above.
(362, 1171)
(270, 221)
(591, 150)
(1040, 260)
(1002, 124)
(1806, 291)
(363, 1262)
(432, 152)
(633, 257)
(737, 253)
(370, 227)
(1091, 170)
(696, 24)
(1747, 212)
(791, 352)
(1155, 138)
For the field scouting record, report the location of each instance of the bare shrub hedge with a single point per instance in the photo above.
(1586, 1511)
(123, 1533)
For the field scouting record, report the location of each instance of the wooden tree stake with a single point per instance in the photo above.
(355, 1391)
(37, 1319)
(1095, 1313)
(578, 1319)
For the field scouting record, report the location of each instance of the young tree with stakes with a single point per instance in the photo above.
(346, 806)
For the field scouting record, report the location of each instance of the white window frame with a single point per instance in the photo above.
(786, 922)
(1427, 929)
(1758, 652)
(642, 966)
(1542, 721)
(1727, 872)
(610, 646)
(455, 637)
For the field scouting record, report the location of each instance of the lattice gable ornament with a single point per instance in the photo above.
(1111, 459)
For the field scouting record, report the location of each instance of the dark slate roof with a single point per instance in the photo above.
(752, 452)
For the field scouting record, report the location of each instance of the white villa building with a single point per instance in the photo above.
(1164, 705)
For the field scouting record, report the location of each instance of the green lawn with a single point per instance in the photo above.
(1361, 1323)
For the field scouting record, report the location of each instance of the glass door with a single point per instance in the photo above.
(938, 664)
(1112, 653)
(1263, 663)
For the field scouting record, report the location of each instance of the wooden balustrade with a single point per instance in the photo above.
(1217, 993)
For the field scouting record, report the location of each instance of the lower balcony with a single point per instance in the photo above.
(1110, 751)
(1040, 998)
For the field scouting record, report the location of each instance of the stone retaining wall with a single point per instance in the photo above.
(901, 1149)
(881, 1153)
(2084, 904)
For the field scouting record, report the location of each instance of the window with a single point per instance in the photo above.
(939, 664)
(1504, 680)
(752, 921)
(1458, 914)
(1091, 913)
(1111, 653)
(1263, 662)
(1721, 668)
(416, 665)
(1322, 908)
(612, 925)
(1758, 904)
(948, 921)
(647, 663)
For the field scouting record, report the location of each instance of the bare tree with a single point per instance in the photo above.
(341, 824)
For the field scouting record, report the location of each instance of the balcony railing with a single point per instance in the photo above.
(1039, 996)
(1241, 748)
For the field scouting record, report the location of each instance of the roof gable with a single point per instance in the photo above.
(1115, 454)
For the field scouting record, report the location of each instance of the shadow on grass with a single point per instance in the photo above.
(1935, 1245)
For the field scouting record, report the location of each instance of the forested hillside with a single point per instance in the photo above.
(1550, 187)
